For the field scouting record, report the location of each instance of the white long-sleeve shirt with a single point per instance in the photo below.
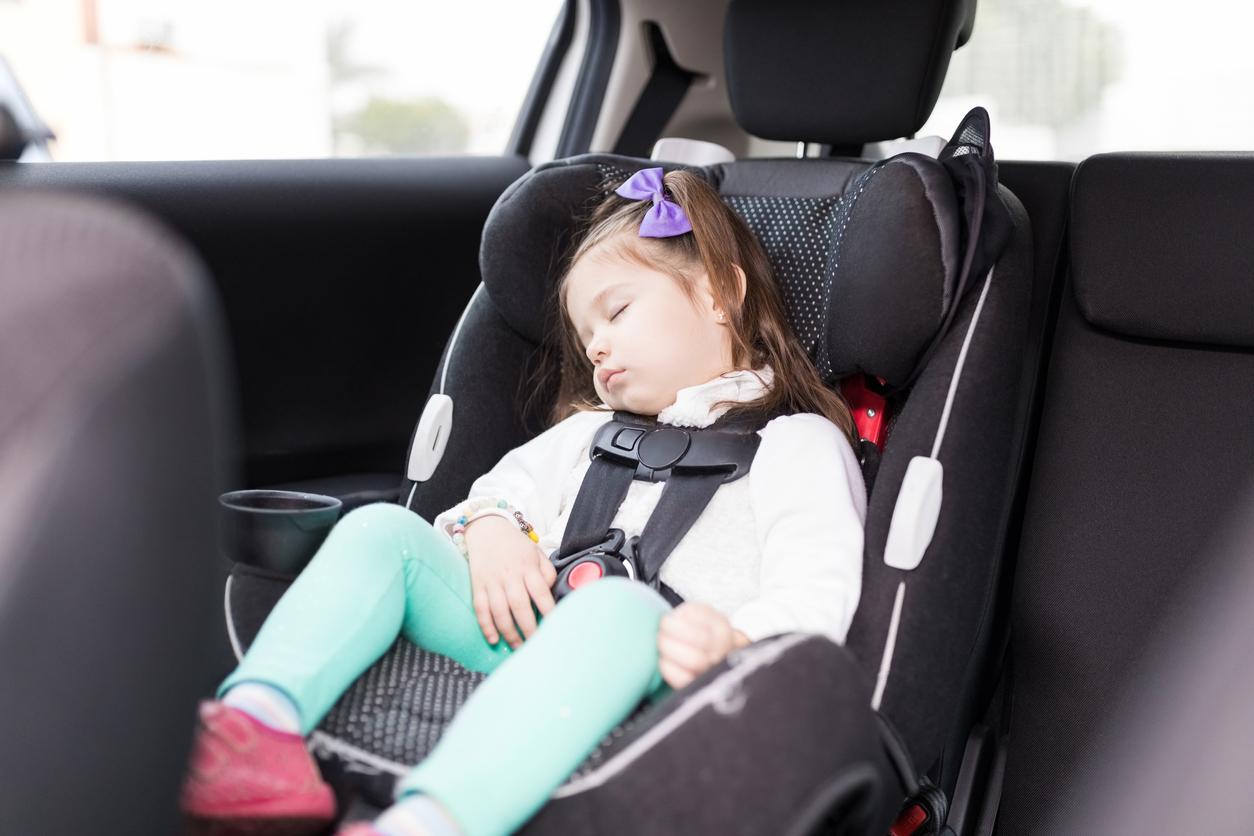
(778, 550)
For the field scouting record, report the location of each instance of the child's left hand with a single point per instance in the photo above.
(693, 638)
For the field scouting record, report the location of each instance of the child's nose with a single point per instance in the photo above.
(596, 350)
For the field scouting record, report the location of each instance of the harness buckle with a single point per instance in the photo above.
(615, 555)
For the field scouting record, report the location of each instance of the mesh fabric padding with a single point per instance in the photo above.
(611, 176)
(399, 708)
(802, 238)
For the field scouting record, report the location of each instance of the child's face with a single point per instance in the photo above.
(637, 320)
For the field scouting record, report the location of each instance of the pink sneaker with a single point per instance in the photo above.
(245, 775)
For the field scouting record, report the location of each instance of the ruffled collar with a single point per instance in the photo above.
(694, 405)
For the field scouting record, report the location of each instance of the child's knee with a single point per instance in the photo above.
(388, 520)
(382, 531)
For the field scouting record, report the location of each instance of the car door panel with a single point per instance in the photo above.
(340, 279)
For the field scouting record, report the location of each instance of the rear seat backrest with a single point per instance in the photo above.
(1147, 434)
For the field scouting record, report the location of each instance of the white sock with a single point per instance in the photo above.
(265, 704)
(416, 814)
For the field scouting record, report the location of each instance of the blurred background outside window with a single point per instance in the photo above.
(1064, 79)
(251, 79)
(189, 79)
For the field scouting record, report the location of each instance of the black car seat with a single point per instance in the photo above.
(113, 449)
(1146, 438)
(867, 296)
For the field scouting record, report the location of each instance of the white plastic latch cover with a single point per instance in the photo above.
(914, 517)
(427, 447)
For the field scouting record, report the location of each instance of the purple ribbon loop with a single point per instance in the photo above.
(667, 217)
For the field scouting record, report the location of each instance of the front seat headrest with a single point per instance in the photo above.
(844, 73)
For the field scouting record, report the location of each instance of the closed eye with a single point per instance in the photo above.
(620, 310)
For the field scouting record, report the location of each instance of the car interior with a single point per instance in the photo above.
(1058, 355)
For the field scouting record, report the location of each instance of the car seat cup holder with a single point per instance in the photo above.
(279, 531)
(613, 556)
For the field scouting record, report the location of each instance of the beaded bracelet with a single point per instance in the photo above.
(474, 509)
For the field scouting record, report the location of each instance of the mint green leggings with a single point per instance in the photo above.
(384, 570)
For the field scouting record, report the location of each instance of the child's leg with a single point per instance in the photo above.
(539, 715)
(381, 569)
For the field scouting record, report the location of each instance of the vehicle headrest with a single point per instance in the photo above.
(1160, 246)
(866, 256)
(845, 73)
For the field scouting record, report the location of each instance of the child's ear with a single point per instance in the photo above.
(740, 278)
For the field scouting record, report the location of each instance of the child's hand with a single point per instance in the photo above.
(693, 638)
(507, 571)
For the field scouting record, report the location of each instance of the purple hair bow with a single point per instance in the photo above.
(666, 218)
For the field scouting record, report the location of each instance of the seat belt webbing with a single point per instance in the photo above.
(683, 499)
(604, 488)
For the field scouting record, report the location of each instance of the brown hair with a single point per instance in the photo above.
(760, 331)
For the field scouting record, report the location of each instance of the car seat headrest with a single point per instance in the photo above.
(1160, 246)
(866, 256)
(840, 73)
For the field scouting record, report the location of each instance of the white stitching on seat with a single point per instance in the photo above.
(890, 641)
(230, 622)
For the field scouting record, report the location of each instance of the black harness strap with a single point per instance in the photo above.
(672, 518)
(693, 463)
(603, 490)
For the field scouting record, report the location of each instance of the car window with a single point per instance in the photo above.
(232, 79)
(1064, 79)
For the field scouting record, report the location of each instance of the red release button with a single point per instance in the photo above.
(909, 821)
(582, 574)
